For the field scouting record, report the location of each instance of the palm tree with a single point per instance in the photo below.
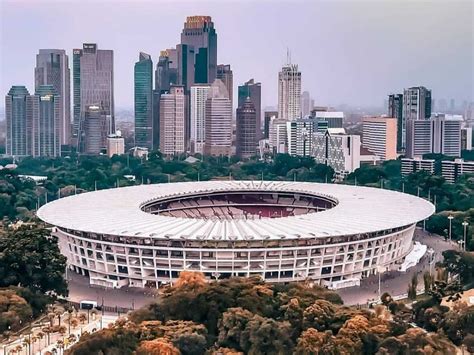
(60, 344)
(40, 335)
(51, 317)
(26, 343)
(34, 339)
(48, 331)
(82, 317)
(58, 314)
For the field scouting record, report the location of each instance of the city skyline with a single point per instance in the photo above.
(330, 78)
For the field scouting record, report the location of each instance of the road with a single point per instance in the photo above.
(396, 283)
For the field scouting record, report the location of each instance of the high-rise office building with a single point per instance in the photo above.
(172, 121)
(416, 106)
(289, 93)
(268, 116)
(418, 138)
(446, 131)
(440, 134)
(143, 78)
(379, 135)
(218, 135)
(199, 33)
(277, 136)
(166, 73)
(185, 62)
(47, 124)
(466, 138)
(19, 122)
(199, 94)
(252, 90)
(300, 134)
(94, 129)
(246, 136)
(306, 104)
(52, 68)
(416, 103)
(93, 79)
(224, 72)
(395, 110)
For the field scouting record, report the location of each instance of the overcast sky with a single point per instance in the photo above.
(353, 52)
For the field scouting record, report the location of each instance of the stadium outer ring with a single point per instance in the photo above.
(107, 236)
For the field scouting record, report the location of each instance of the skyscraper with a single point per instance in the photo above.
(47, 124)
(19, 122)
(306, 104)
(93, 79)
(395, 110)
(172, 121)
(246, 129)
(199, 32)
(252, 90)
(218, 134)
(268, 116)
(199, 94)
(185, 63)
(166, 73)
(416, 106)
(52, 68)
(93, 129)
(143, 76)
(289, 93)
(416, 103)
(224, 73)
(440, 134)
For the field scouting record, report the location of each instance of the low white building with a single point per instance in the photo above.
(452, 170)
(412, 165)
(115, 144)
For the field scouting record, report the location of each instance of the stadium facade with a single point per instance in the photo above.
(143, 236)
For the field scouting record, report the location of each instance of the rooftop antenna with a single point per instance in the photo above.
(288, 56)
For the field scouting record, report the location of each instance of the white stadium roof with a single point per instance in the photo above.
(117, 212)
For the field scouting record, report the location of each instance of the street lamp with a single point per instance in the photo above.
(380, 269)
(450, 218)
(465, 224)
(431, 253)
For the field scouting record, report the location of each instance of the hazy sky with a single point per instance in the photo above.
(353, 52)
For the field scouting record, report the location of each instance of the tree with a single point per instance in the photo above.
(13, 310)
(314, 342)
(30, 257)
(266, 336)
(318, 315)
(159, 346)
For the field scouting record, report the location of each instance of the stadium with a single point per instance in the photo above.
(143, 236)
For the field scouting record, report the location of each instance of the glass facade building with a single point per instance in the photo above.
(19, 122)
(143, 76)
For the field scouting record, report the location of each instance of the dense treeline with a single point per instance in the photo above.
(455, 199)
(31, 274)
(248, 316)
(66, 176)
